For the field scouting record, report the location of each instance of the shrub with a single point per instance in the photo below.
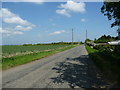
(105, 48)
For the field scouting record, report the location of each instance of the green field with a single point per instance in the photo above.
(13, 50)
(17, 55)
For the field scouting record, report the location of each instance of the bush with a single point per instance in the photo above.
(117, 49)
(107, 61)
(106, 48)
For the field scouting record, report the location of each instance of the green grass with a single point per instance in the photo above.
(107, 62)
(90, 50)
(12, 50)
(19, 60)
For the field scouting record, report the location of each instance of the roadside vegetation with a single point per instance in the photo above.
(107, 59)
(20, 54)
(105, 39)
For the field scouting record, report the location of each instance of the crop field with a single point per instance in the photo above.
(15, 55)
(13, 50)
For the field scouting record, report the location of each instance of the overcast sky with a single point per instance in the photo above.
(52, 22)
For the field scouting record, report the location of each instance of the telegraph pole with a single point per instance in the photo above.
(72, 36)
(86, 34)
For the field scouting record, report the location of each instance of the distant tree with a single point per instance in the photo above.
(87, 40)
(104, 39)
(112, 11)
(27, 44)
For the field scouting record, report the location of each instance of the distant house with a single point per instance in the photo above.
(118, 31)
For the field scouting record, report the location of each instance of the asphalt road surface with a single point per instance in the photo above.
(68, 69)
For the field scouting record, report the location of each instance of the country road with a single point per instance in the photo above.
(68, 69)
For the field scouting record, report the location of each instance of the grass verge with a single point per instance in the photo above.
(108, 63)
(19, 60)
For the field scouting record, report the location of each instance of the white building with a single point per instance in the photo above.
(114, 42)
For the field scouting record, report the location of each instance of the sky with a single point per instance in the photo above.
(28, 22)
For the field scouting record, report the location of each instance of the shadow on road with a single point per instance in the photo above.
(76, 73)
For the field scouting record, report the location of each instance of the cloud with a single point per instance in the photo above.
(39, 3)
(74, 6)
(71, 6)
(15, 20)
(23, 28)
(57, 32)
(3, 31)
(63, 12)
(31, 1)
(16, 23)
(4, 13)
(9, 32)
(11, 18)
(83, 20)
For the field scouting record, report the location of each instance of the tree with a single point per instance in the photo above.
(112, 11)
(104, 39)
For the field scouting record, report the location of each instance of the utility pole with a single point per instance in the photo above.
(72, 36)
(86, 34)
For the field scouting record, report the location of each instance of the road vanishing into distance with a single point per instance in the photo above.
(68, 69)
